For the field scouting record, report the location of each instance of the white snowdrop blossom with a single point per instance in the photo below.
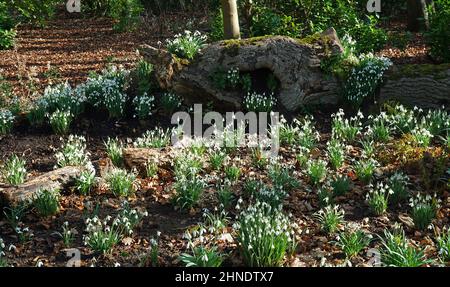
(187, 44)
(2, 247)
(156, 138)
(346, 128)
(102, 236)
(365, 77)
(60, 121)
(233, 77)
(6, 121)
(424, 209)
(73, 152)
(255, 102)
(106, 90)
(143, 106)
(421, 136)
(63, 98)
(14, 171)
(437, 121)
(404, 119)
(265, 234)
(378, 197)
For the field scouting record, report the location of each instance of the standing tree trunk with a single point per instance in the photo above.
(230, 19)
(418, 14)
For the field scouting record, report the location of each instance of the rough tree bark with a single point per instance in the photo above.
(56, 179)
(230, 19)
(426, 86)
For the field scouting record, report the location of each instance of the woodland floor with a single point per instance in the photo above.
(416, 52)
(77, 46)
(70, 47)
(39, 147)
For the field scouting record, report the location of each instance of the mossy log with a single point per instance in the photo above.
(58, 179)
(294, 62)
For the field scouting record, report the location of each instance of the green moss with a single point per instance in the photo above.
(181, 61)
(311, 39)
(232, 46)
(244, 42)
(416, 71)
(314, 38)
(324, 40)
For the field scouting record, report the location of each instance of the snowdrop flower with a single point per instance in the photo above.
(6, 121)
(144, 105)
(186, 45)
(255, 102)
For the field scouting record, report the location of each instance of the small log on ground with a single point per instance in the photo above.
(138, 158)
(57, 179)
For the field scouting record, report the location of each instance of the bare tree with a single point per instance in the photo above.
(230, 19)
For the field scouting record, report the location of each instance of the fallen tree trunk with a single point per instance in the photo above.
(294, 62)
(58, 179)
(296, 65)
